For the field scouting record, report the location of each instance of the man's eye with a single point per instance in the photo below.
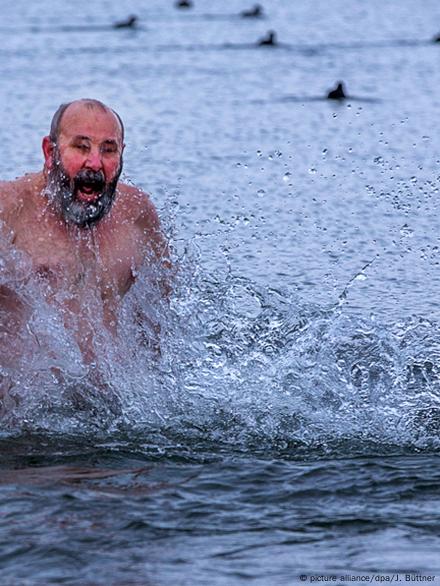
(108, 150)
(82, 147)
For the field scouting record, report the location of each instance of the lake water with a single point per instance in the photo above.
(291, 425)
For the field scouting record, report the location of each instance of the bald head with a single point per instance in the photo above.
(71, 107)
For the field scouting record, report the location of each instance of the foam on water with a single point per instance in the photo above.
(239, 364)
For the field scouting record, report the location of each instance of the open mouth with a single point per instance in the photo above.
(88, 193)
(89, 186)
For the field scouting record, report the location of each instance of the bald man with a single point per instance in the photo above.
(85, 233)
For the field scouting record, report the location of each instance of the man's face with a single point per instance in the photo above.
(85, 164)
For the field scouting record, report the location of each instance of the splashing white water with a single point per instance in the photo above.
(237, 363)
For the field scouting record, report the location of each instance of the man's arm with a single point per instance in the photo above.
(155, 246)
(147, 221)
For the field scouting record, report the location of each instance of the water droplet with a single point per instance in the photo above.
(378, 160)
(312, 170)
(259, 153)
(287, 176)
(413, 179)
(361, 277)
(324, 151)
(261, 192)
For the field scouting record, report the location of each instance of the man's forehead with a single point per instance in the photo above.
(93, 122)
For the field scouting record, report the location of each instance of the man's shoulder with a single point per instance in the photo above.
(137, 204)
(7, 188)
(134, 195)
(18, 195)
(144, 216)
(13, 194)
(20, 185)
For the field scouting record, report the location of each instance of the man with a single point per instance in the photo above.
(85, 233)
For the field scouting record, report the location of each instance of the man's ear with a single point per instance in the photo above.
(48, 151)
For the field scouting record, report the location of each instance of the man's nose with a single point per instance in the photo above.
(94, 160)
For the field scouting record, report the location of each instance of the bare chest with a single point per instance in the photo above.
(92, 266)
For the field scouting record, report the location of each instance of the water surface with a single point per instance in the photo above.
(291, 424)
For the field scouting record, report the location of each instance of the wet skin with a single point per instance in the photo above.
(90, 264)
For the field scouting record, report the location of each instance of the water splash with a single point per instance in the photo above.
(239, 364)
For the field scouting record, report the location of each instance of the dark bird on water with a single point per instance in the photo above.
(183, 4)
(130, 22)
(338, 93)
(254, 12)
(269, 40)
